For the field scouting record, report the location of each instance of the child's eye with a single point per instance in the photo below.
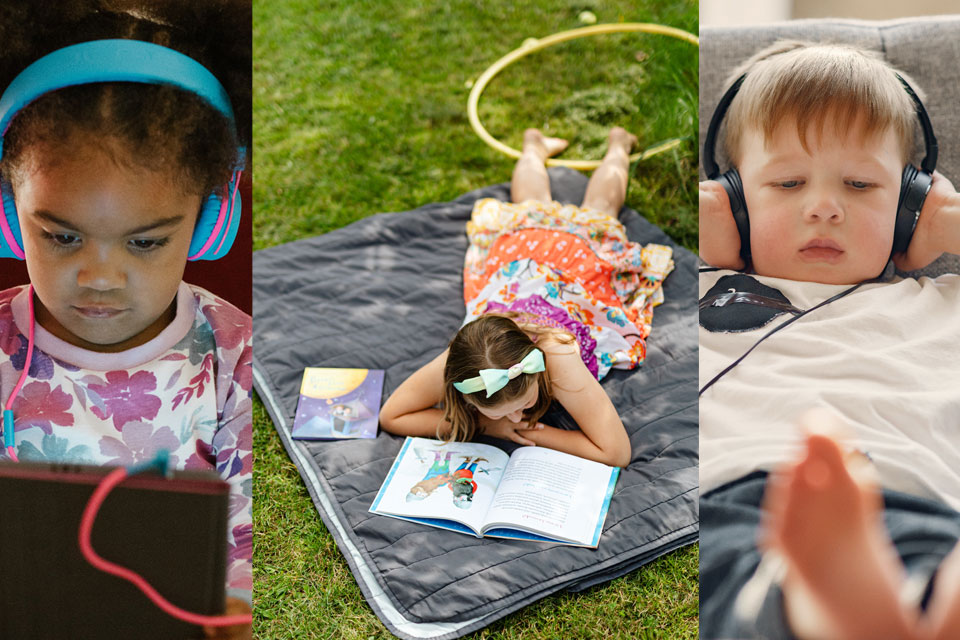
(789, 184)
(859, 184)
(62, 240)
(144, 245)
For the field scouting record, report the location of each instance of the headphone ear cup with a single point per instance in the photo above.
(217, 223)
(914, 186)
(11, 242)
(733, 185)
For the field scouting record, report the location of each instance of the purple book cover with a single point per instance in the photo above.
(338, 403)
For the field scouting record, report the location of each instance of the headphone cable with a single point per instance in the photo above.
(9, 434)
(112, 479)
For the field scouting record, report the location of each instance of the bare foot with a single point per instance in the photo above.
(620, 141)
(541, 146)
(843, 575)
(943, 614)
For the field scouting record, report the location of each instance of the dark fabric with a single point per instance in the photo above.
(386, 292)
(922, 531)
(732, 315)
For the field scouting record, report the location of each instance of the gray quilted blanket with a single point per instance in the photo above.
(386, 293)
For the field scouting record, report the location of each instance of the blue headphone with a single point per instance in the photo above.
(124, 61)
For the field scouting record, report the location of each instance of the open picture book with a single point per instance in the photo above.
(534, 494)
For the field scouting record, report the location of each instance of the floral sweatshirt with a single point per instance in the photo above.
(187, 391)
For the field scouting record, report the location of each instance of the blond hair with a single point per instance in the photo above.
(817, 84)
(493, 341)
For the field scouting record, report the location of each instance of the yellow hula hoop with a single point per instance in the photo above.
(532, 45)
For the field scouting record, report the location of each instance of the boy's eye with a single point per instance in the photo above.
(859, 184)
(789, 184)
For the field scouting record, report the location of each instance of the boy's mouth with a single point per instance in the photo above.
(821, 250)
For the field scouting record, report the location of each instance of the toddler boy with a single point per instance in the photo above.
(820, 135)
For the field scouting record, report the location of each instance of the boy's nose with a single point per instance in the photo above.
(824, 208)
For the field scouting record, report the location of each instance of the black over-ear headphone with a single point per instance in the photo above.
(914, 183)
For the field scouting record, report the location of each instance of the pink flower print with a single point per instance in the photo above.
(230, 325)
(139, 442)
(243, 374)
(242, 548)
(196, 384)
(9, 337)
(37, 405)
(202, 458)
(125, 397)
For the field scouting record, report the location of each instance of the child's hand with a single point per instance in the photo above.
(938, 227)
(235, 606)
(507, 430)
(719, 238)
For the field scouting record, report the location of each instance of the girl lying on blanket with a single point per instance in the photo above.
(556, 295)
(108, 185)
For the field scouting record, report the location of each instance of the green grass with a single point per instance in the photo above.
(359, 108)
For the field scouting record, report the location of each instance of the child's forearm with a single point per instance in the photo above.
(577, 443)
(422, 423)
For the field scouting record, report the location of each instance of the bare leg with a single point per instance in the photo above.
(943, 614)
(530, 181)
(608, 184)
(843, 575)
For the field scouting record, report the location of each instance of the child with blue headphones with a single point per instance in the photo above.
(843, 522)
(120, 159)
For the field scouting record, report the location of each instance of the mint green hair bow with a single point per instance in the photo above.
(495, 379)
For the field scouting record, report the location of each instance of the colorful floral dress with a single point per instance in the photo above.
(569, 268)
(186, 390)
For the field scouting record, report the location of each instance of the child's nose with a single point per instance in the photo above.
(516, 416)
(101, 274)
(825, 207)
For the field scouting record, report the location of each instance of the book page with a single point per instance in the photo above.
(552, 493)
(433, 479)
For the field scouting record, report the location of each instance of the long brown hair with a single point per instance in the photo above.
(489, 342)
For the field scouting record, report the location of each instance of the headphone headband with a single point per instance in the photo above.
(929, 162)
(110, 61)
(120, 60)
(709, 143)
(710, 167)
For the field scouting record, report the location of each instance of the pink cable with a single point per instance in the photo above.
(26, 365)
(107, 485)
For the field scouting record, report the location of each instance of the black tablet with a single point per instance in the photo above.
(170, 530)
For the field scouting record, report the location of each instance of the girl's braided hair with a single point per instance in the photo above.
(161, 128)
